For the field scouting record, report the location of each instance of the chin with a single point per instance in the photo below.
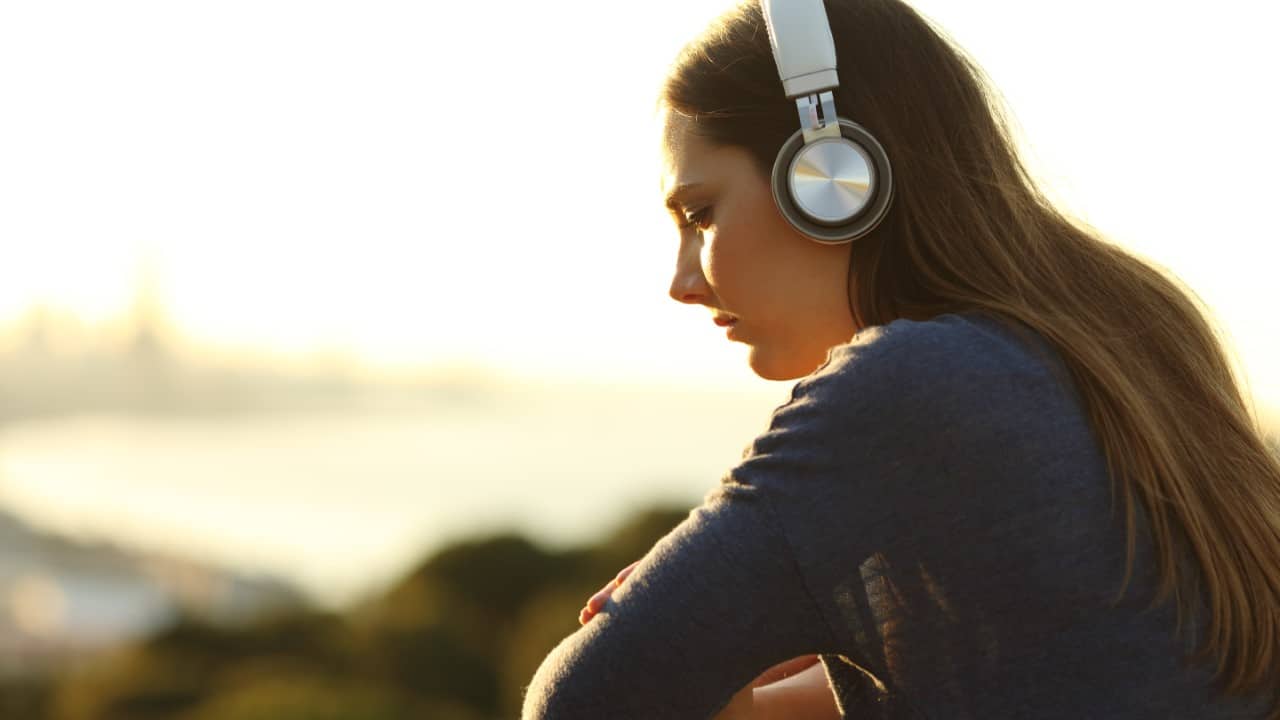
(770, 366)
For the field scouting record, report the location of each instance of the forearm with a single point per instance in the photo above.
(712, 602)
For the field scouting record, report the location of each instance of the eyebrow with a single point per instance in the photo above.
(675, 197)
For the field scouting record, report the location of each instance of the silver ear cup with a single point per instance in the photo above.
(834, 190)
(830, 181)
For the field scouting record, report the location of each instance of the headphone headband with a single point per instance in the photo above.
(803, 49)
(831, 179)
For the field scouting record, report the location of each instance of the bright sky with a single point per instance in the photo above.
(424, 182)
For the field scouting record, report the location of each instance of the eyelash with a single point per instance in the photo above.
(696, 219)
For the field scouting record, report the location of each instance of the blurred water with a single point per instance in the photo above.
(342, 502)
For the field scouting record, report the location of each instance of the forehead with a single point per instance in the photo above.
(686, 157)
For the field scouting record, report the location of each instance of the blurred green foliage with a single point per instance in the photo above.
(457, 639)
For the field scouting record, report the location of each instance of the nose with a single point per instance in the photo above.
(689, 284)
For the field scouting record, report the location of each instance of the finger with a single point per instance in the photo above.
(598, 600)
(602, 594)
(624, 572)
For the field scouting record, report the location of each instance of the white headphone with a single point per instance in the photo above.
(832, 179)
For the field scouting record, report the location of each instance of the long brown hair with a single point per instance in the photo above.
(970, 229)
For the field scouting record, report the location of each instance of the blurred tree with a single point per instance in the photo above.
(183, 666)
(443, 630)
(551, 616)
(303, 697)
(631, 540)
(456, 639)
(25, 697)
(542, 624)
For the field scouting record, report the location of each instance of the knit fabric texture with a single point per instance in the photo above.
(931, 513)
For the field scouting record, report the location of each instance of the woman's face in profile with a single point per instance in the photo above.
(740, 257)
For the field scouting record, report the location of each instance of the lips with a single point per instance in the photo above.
(725, 320)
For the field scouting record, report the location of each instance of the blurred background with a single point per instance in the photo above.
(337, 367)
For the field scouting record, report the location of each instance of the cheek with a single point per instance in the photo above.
(712, 257)
(726, 262)
(744, 252)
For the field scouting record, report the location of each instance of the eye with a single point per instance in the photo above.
(700, 219)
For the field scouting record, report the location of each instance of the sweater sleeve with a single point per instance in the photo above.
(712, 605)
(716, 601)
(720, 598)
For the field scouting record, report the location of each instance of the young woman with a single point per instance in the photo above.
(1016, 476)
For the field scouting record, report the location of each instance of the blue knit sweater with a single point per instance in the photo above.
(931, 513)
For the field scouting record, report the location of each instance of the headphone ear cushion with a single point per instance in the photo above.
(866, 219)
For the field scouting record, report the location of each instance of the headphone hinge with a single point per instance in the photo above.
(818, 125)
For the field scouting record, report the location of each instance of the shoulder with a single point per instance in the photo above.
(906, 407)
(911, 371)
(903, 401)
(941, 345)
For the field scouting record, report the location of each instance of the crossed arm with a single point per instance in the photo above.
(797, 688)
(723, 598)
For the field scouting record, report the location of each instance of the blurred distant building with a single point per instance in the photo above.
(52, 364)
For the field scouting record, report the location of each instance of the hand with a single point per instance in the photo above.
(598, 600)
(744, 705)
